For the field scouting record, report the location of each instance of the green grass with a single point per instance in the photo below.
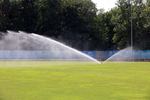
(74, 81)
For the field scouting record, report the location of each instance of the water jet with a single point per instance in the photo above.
(21, 43)
(121, 55)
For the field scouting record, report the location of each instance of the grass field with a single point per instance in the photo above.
(74, 81)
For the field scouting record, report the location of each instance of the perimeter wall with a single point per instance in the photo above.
(100, 55)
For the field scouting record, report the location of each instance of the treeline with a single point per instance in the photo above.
(80, 21)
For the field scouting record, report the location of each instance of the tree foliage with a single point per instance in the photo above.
(81, 21)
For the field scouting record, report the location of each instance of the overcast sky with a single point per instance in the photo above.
(105, 4)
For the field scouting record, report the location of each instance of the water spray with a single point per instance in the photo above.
(22, 41)
(67, 47)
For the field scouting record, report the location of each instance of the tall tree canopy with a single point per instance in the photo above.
(80, 21)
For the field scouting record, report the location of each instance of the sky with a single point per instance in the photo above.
(105, 4)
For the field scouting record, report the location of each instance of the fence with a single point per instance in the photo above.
(101, 55)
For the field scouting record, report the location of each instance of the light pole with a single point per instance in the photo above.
(131, 33)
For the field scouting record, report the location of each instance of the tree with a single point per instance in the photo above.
(78, 18)
(108, 32)
(28, 15)
(49, 17)
(4, 13)
(18, 15)
(146, 28)
(122, 22)
(138, 23)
